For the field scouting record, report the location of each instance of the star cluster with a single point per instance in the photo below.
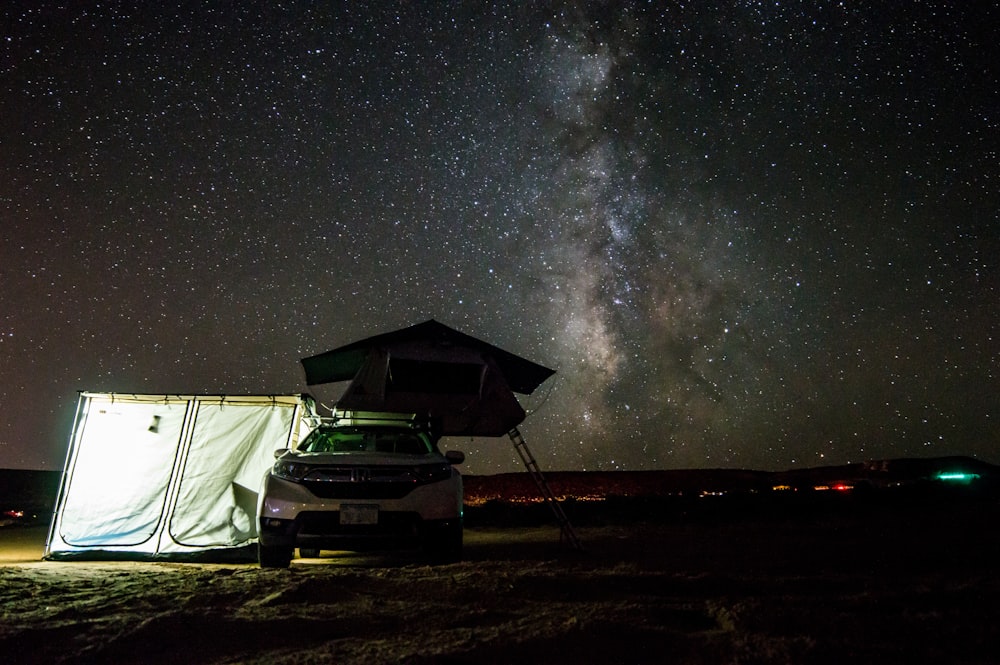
(745, 234)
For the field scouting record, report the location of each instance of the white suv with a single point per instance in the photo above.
(362, 481)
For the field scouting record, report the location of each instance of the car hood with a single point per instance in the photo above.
(364, 458)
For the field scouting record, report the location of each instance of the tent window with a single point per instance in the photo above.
(428, 376)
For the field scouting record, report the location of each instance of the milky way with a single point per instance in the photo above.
(745, 234)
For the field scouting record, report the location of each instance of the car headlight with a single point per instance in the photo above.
(290, 469)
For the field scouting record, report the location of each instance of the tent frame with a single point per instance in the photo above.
(276, 423)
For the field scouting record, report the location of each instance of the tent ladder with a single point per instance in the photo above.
(566, 529)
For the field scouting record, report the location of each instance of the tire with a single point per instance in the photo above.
(274, 556)
(309, 552)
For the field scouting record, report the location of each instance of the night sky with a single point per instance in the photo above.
(745, 234)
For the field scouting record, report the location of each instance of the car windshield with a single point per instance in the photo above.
(366, 439)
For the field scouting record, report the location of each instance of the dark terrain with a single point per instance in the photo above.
(873, 567)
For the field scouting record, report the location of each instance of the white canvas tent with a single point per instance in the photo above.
(165, 476)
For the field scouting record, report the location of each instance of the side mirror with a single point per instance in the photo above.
(279, 452)
(455, 456)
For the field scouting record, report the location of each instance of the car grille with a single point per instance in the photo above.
(354, 482)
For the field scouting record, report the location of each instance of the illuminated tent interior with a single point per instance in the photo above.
(163, 476)
(465, 385)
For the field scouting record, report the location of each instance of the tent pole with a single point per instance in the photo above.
(64, 479)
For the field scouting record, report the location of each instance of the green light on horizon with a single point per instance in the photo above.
(956, 476)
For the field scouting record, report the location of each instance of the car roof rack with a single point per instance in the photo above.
(362, 418)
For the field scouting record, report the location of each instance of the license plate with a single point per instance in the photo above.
(361, 513)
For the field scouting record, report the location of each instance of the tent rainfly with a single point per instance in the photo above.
(463, 384)
(169, 477)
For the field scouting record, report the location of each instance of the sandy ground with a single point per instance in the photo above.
(882, 589)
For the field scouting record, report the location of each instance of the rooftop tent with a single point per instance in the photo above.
(164, 476)
(463, 383)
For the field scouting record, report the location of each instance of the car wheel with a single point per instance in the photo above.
(309, 552)
(274, 556)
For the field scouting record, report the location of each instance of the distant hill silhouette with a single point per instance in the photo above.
(875, 474)
(37, 490)
(28, 487)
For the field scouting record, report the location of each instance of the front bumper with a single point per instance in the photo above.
(291, 516)
(322, 530)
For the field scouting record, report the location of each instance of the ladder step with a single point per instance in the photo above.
(567, 533)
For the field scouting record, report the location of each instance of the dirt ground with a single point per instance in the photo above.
(918, 587)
